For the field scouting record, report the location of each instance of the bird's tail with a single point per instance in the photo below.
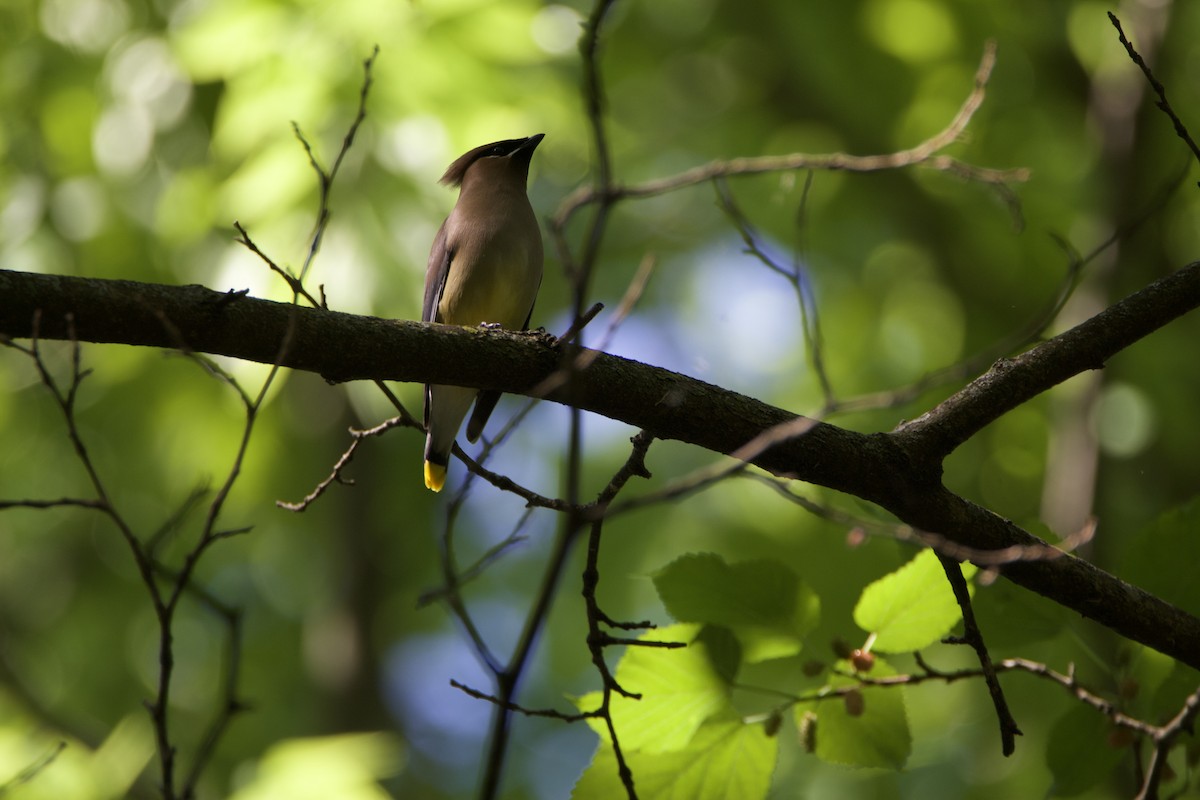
(445, 409)
(435, 476)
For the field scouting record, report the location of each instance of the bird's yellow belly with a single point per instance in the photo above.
(501, 291)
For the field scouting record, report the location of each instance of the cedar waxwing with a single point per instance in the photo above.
(485, 266)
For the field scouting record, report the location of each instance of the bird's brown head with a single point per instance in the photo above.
(511, 154)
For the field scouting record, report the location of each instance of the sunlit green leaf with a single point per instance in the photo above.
(679, 687)
(346, 766)
(762, 601)
(912, 607)
(726, 760)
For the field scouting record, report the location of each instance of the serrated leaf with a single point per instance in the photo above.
(680, 689)
(910, 608)
(877, 737)
(763, 602)
(723, 650)
(726, 760)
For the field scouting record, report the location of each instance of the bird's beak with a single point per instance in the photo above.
(529, 145)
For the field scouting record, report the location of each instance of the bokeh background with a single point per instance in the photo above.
(132, 136)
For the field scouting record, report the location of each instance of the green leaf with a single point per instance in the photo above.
(877, 737)
(723, 650)
(912, 607)
(1078, 752)
(726, 760)
(344, 766)
(765, 604)
(680, 689)
(1013, 618)
(1162, 558)
(1171, 682)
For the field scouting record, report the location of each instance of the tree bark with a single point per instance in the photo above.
(900, 471)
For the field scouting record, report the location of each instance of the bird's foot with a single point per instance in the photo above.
(541, 334)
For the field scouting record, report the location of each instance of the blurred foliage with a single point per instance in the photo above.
(133, 134)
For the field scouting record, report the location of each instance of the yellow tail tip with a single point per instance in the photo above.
(435, 476)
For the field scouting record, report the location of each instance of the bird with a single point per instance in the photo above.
(485, 267)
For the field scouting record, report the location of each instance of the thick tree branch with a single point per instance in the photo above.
(900, 471)
(344, 347)
(1013, 381)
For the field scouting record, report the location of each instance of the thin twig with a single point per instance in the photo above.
(1163, 104)
(581, 361)
(1164, 739)
(490, 556)
(231, 705)
(294, 283)
(579, 273)
(973, 636)
(529, 712)
(325, 179)
(796, 276)
(339, 466)
(924, 154)
(598, 639)
(79, 502)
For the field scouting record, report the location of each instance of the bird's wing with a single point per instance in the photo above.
(435, 275)
(440, 256)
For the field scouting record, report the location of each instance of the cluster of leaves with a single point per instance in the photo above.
(686, 734)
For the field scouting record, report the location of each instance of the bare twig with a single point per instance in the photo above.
(66, 402)
(1163, 104)
(493, 554)
(166, 599)
(506, 484)
(1164, 739)
(598, 639)
(973, 636)
(325, 178)
(335, 476)
(584, 358)
(579, 272)
(992, 559)
(924, 154)
(173, 522)
(529, 712)
(795, 275)
(79, 502)
(705, 477)
(579, 323)
(294, 283)
(1066, 681)
(231, 704)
